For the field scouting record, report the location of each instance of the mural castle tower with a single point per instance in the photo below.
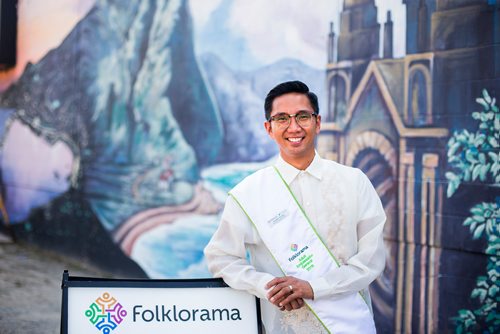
(392, 117)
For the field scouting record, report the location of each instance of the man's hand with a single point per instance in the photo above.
(288, 293)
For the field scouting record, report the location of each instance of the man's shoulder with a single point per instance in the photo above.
(339, 173)
(334, 166)
(253, 181)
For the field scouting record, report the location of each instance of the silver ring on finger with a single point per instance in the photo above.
(291, 288)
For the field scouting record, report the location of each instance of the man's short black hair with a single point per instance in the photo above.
(289, 87)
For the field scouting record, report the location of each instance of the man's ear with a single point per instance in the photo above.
(318, 123)
(269, 129)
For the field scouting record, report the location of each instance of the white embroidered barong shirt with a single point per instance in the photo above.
(347, 214)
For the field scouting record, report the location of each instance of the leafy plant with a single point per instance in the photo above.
(476, 155)
(473, 157)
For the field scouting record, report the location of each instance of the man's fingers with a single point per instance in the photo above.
(291, 298)
(278, 292)
(288, 299)
(295, 304)
(286, 289)
(275, 281)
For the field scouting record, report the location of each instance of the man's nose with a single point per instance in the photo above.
(294, 125)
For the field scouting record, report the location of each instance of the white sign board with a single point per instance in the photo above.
(151, 306)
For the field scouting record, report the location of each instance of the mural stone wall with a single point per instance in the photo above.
(392, 118)
(119, 145)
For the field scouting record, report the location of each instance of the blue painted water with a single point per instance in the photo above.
(176, 250)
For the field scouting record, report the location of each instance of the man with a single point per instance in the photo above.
(312, 229)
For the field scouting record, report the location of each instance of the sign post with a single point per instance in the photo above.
(180, 306)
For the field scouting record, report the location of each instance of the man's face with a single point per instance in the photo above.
(296, 142)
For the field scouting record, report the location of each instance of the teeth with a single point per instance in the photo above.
(294, 140)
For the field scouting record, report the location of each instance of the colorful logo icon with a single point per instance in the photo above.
(106, 313)
(294, 247)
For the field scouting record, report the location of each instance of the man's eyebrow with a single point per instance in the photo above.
(301, 110)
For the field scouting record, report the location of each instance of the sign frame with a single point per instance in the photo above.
(69, 282)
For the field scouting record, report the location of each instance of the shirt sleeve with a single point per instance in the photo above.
(226, 253)
(369, 261)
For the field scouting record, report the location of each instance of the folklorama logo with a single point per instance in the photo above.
(294, 247)
(106, 313)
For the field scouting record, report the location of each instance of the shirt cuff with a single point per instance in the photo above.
(261, 286)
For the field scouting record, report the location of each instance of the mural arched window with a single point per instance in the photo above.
(418, 103)
(376, 156)
(337, 98)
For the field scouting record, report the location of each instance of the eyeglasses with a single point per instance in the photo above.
(303, 119)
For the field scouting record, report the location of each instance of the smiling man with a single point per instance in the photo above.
(312, 229)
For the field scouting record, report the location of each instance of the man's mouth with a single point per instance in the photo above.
(295, 139)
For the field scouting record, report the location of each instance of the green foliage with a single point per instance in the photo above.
(476, 157)
(483, 219)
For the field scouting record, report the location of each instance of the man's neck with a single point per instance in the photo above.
(299, 163)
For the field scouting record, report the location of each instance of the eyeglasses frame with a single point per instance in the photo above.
(271, 118)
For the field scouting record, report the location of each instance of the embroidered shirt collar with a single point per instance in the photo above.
(289, 172)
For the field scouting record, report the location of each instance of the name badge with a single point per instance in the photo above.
(279, 217)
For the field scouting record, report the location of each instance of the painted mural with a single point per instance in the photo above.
(123, 127)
